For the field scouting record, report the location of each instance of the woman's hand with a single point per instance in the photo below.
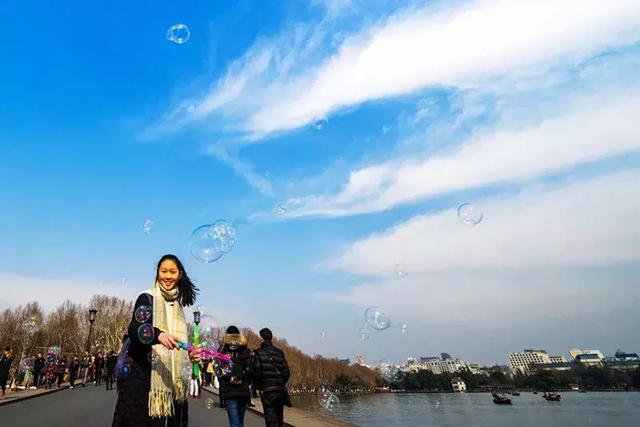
(169, 341)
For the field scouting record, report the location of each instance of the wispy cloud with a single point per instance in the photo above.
(579, 223)
(285, 82)
(592, 129)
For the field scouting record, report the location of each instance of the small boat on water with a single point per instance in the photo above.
(515, 393)
(552, 397)
(535, 392)
(500, 399)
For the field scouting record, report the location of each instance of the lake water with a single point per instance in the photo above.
(477, 409)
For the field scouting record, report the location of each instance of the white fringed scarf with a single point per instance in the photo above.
(168, 382)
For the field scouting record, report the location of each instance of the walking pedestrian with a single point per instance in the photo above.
(234, 385)
(110, 366)
(38, 366)
(85, 365)
(98, 364)
(50, 376)
(74, 366)
(271, 374)
(5, 364)
(61, 369)
(154, 392)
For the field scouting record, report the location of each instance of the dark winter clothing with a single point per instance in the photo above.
(110, 367)
(61, 369)
(74, 366)
(98, 364)
(271, 374)
(132, 408)
(5, 365)
(236, 384)
(38, 366)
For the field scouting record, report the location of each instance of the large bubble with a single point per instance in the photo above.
(210, 332)
(209, 403)
(143, 313)
(470, 214)
(363, 332)
(31, 325)
(26, 364)
(375, 319)
(145, 333)
(327, 399)
(178, 33)
(210, 242)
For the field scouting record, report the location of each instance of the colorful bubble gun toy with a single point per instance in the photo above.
(205, 352)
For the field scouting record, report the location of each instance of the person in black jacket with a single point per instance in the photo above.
(98, 364)
(152, 387)
(61, 368)
(271, 374)
(38, 365)
(74, 366)
(5, 364)
(110, 366)
(235, 381)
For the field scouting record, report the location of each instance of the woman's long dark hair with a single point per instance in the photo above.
(187, 291)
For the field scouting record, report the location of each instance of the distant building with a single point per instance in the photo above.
(557, 359)
(622, 361)
(436, 365)
(445, 356)
(554, 366)
(525, 361)
(587, 357)
(458, 385)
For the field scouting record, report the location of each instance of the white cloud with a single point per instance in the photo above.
(592, 129)
(413, 49)
(587, 223)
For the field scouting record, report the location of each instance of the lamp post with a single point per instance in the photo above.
(92, 318)
(196, 339)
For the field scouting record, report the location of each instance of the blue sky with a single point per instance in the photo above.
(527, 109)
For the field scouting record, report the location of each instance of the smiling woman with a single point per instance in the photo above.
(152, 386)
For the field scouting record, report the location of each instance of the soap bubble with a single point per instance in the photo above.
(209, 332)
(145, 333)
(178, 33)
(470, 214)
(123, 280)
(142, 313)
(320, 123)
(147, 226)
(152, 358)
(31, 325)
(403, 328)
(209, 403)
(376, 319)
(327, 400)
(400, 271)
(323, 334)
(26, 364)
(209, 242)
(52, 354)
(281, 209)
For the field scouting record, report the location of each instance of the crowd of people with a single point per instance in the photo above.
(52, 371)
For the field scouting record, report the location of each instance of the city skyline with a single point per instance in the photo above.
(340, 138)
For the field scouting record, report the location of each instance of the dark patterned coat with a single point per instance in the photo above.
(132, 408)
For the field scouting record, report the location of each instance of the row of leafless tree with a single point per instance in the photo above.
(67, 327)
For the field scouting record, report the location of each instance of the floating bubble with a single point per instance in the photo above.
(323, 334)
(152, 358)
(178, 33)
(209, 403)
(123, 280)
(403, 328)
(145, 333)
(26, 364)
(470, 214)
(209, 242)
(281, 209)
(320, 123)
(209, 332)
(147, 226)
(267, 174)
(143, 314)
(376, 319)
(400, 271)
(31, 325)
(327, 400)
